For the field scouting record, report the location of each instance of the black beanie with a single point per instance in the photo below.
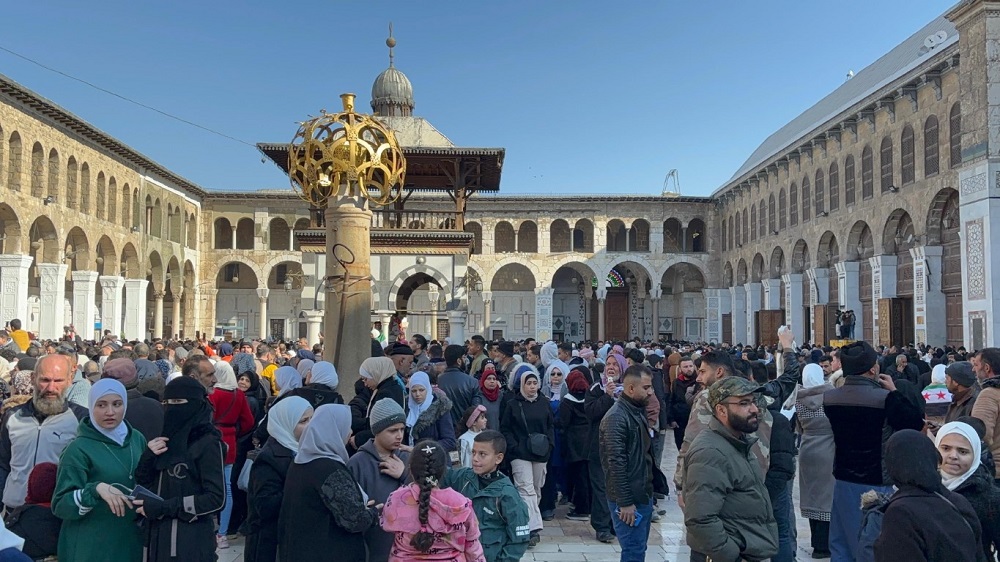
(857, 358)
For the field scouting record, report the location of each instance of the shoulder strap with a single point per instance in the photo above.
(521, 405)
(960, 516)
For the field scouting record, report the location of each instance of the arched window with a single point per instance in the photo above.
(527, 238)
(819, 200)
(753, 222)
(15, 157)
(849, 180)
(806, 196)
(504, 239)
(85, 188)
(782, 209)
(732, 232)
(771, 222)
(112, 200)
(617, 236)
(476, 230)
(223, 234)
(906, 156)
(738, 232)
(638, 236)
(867, 173)
(102, 195)
(834, 187)
(560, 238)
(746, 226)
(762, 219)
(885, 163)
(72, 181)
(279, 235)
(127, 206)
(955, 134)
(932, 157)
(793, 205)
(53, 190)
(725, 240)
(37, 170)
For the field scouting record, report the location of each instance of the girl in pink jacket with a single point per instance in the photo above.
(431, 523)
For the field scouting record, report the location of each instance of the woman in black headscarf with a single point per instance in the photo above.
(184, 467)
(924, 521)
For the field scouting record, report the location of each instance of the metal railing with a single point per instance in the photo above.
(414, 220)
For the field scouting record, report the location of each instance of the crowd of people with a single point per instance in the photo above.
(167, 450)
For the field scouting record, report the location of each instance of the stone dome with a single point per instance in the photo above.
(392, 94)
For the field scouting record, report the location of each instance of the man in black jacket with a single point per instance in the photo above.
(863, 414)
(678, 402)
(461, 388)
(627, 460)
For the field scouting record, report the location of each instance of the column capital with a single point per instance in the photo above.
(602, 293)
(656, 292)
(262, 293)
(487, 296)
(84, 276)
(15, 260)
(545, 291)
(158, 295)
(111, 281)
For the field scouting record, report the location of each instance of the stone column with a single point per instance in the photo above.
(543, 314)
(849, 292)
(793, 304)
(314, 319)
(135, 309)
(487, 306)
(978, 24)
(175, 310)
(928, 300)
(883, 287)
(456, 326)
(545, 238)
(347, 317)
(738, 297)
(111, 303)
(753, 305)
(602, 295)
(654, 299)
(84, 309)
(262, 322)
(684, 239)
(52, 296)
(234, 237)
(211, 310)
(14, 287)
(433, 298)
(819, 293)
(157, 314)
(772, 294)
(385, 316)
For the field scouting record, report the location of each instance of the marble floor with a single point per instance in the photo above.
(567, 540)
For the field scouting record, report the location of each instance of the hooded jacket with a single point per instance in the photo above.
(365, 468)
(923, 520)
(984, 496)
(729, 514)
(502, 514)
(435, 423)
(451, 518)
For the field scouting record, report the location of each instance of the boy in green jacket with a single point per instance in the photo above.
(503, 517)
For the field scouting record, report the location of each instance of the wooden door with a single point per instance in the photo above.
(727, 328)
(819, 324)
(616, 315)
(768, 322)
(885, 321)
(895, 324)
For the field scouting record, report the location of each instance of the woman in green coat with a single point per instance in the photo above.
(96, 473)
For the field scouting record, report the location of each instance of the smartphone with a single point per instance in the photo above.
(638, 517)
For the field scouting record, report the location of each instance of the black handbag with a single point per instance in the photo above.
(538, 443)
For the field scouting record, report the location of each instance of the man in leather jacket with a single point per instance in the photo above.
(627, 460)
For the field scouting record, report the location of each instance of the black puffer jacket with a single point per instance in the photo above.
(678, 408)
(626, 453)
(781, 465)
(984, 496)
(575, 428)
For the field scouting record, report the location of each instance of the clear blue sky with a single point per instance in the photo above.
(587, 96)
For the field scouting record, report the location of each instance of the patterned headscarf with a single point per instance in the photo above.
(21, 383)
(243, 363)
(164, 366)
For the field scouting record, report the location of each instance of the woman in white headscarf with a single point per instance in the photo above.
(96, 473)
(324, 512)
(962, 471)
(815, 458)
(429, 413)
(286, 422)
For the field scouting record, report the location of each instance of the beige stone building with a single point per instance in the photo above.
(878, 199)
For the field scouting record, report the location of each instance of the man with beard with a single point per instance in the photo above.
(38, 430)
(728, 514)
(627, 460)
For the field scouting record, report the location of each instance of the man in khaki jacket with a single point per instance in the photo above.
(987, 407)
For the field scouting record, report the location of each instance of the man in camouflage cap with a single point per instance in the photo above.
(728, 512)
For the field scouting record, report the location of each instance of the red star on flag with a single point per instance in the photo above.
(940, 395)
(927, 396)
